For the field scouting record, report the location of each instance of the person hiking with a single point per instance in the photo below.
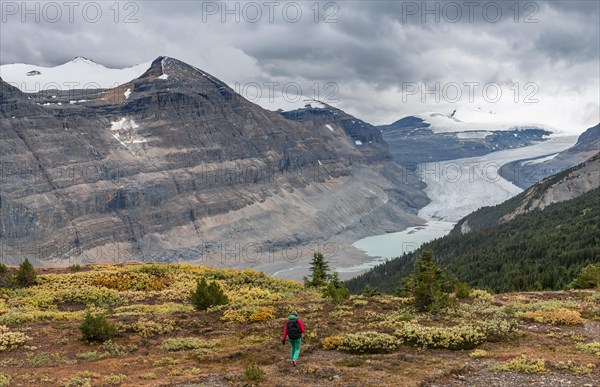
(293, 329)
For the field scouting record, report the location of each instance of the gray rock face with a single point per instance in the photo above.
(353, 138)
(525, 173)
(161, 167)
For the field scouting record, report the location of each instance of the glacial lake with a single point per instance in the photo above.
(387, 246)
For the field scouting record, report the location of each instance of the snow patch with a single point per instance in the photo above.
(164, 76)
(127, 93)
(79, 73)
(358, 142)
(124, 124)
(329, 127)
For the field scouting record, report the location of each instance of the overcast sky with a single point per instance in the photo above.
(373, 59)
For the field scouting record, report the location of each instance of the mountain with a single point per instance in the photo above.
(352, 137)
(431, 137)
(537, 240)
(175, 165)
(525, 173)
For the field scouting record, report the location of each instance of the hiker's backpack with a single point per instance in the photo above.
(293, 329)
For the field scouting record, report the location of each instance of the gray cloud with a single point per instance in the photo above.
(371, 52)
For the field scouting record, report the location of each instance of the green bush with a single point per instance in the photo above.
(462, 290)
(588, 278)
(25, 275)
(96, 328)
(6, 280)
(206, 296)
(254, 373)
(335, 290)
(368, 291)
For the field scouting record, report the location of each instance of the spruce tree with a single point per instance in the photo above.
(208, 295)
(25, 275)
(319, 269)
(428, 285)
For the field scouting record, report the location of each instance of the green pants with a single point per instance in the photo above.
(295, 351)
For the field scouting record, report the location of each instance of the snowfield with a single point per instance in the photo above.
(476, 121)
(458, 187)
(80, 73)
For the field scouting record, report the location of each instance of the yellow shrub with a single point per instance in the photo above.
(236, 315)
(369, 342)
(263, 314)
(522, 364)
(332, 342)
(148, 328)
(11, 340)
(590, 347)
(556, 317)
(478, 353)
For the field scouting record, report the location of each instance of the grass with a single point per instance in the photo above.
(160, 338)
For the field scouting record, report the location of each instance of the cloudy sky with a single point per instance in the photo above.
(379, 60)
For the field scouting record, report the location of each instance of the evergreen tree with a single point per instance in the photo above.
(25, 275)
(336, 290)
(320, 272)
(428, 285)
(208, 295)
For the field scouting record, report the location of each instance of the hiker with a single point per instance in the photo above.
(293, 330)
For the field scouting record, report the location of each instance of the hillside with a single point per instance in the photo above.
(174, 165)
(510, 339)
(525, 173)
(562, 186)
(536, 250)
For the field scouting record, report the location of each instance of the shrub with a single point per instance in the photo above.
(206, 296)
(236, 315)
(522, 364)
(428, 285)
(332, 342)
(75, 267)
(590, 347)
(25, 275)
(185, 343)
(148, 328)
(4, 380)
(96, 328)
(588, 278)
(462, 290)
(478, 353)
(107, 349)
(576, 369)
(6, 280)
(11, 340)
(368, 342)
(555, 317)
(368, 291)
(165, 361)
(254, 373)
(115, 379)
(465, 336)
(202, 353)
(263, 314)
